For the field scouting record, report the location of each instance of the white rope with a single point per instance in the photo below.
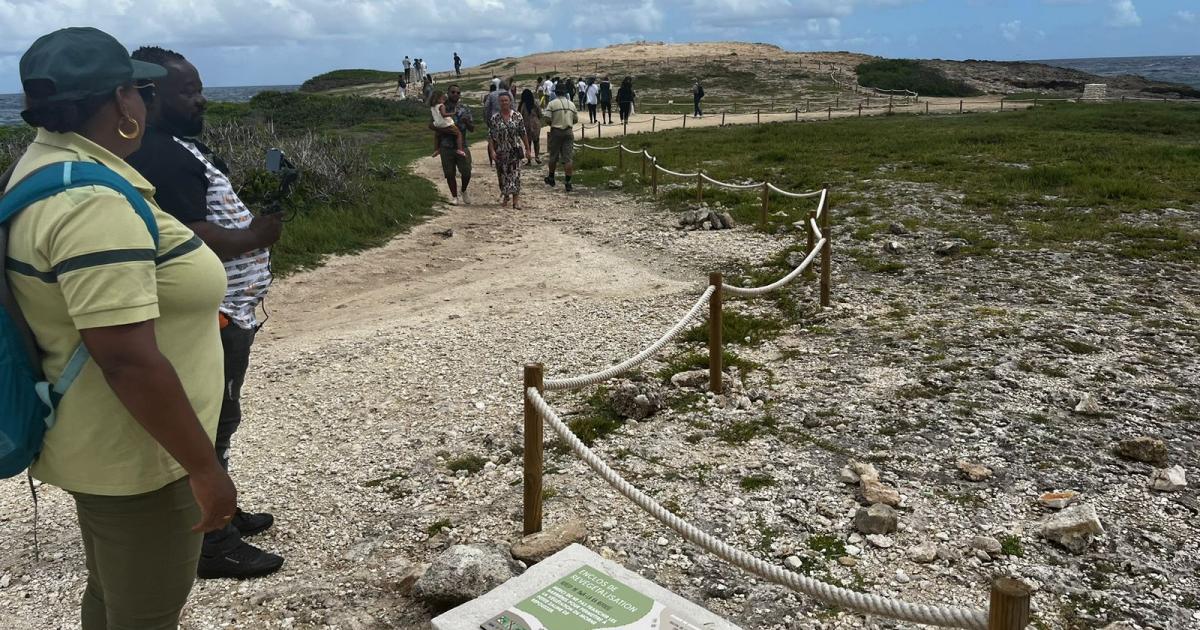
(578, 382)
(792, 194)
(817, 233)
(669, 172)
(628, 150)
(588, 146)
(728, 185)
(949, 616)
(748, 291)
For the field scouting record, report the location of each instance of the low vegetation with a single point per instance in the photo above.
(1060, 176)
(347, 78)
(910, 74)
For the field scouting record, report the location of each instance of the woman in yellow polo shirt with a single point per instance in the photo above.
(133, 437)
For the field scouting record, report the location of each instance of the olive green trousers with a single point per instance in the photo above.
(141, 557)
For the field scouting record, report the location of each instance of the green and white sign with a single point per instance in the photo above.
(588, 599)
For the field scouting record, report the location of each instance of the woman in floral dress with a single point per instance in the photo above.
(508, 144)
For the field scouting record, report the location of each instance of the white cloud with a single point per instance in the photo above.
(1186, 16)
(1011, 30)
(603, 18)
(1124, 14)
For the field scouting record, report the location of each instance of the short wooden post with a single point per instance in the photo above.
(653, 122)
(685, 121)
(625, 127)
(654, 178)
(644, 160)
(797, 113)
(868, 102)
(926, 107)
(722, 119)
(827, 250)
(1001, 104)
(837, 100)
(583, 132)
(533, 451)
(715, 346)
(830, 113)
(766, 204)
(860, 109)
(812, 239)
(960, 106)
(758, 115)
(806, 104)
(699, 185)
(620, 157)
(889, 106)
(1009, 608)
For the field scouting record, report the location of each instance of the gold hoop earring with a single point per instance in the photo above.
(137, 128)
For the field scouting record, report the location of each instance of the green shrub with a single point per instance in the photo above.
(347, 78)
(910, 74)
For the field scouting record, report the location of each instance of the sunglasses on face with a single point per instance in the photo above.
(148, 91)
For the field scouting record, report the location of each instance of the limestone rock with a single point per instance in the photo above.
(847, 561)
(615, 184)
(923, 553)
(1087, 405)
(726, 220)
(692, 379)
(865, 471)
(974, 472)
(881, 541)
(878, 492)
(551, 540)
(848, 476)
(1073, 528)
(635, 400)
(894, 247)
(877, 519)
(1058, 500)
(1143, 449)
(1168, 479)
(464, 572)
(987, 545)
(947, 248)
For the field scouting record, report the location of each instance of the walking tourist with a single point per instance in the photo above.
(593, 98)
(424, 70)
(193, 185)
(496, 81)
(508, 144)
(531, 112)
(113, 280)
(427, 88)
(547, 91)
(625, 98)
(457, 65)
(443, 123)
(451, 159)
(606, 96)
(697, 94)
(408, 69)
(581, 87)
(561, 141)
(402, 88)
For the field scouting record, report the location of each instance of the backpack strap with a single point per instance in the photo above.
(41, 184)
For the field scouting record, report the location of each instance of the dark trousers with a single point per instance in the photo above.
(592, 112)
(237, 342)
(606, 111)
(625, 107)
(696, 105)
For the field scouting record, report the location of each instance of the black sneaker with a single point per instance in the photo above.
(244, 561)
(249, 523)
(549, 180)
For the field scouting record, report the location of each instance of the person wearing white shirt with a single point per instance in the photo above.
(593, 98)
(581, 88)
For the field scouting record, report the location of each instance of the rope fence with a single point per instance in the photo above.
(1009, 599)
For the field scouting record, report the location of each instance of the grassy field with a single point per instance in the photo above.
(1059, 176)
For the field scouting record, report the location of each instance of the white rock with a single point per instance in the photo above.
(848, 476)
(865, 471)
(1168, 479)
(663, 542)
(925, 552)
(881, 541)
(1087, 405)
(902, 577)
(1072, 528)
(793, 562)
(853, 550)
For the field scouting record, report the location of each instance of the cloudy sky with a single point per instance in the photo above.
(270, 42)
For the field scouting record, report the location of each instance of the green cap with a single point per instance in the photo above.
(74, 63)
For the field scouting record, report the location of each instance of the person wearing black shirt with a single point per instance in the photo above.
(193, 185)
(457, 65)
(606, 101)
(625, 97)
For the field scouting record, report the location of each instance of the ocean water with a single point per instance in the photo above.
(12, 104)
(1181, 69)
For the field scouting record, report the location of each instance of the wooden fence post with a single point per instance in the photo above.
(1009, 608)
(620, 157)
(715, 343)
(806, 104)
(860, 109)
(644, 160)
(868, 102)
(653, 122)
(926, 107)
(685, 121)
(960, 106)
(1001, 104)
(797, 113)
(837, 100)
(758, 116)
(830, 113)
(583, 132)
(812, 239)
(699, 185)
(766, 204)
(533, 452)
(827, 250)
(722, 118)
(598, 129)
(625, 127)
(654, 178)
(889, 106)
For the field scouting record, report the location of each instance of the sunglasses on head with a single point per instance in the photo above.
(148, 91)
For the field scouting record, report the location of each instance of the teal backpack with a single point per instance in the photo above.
(27, 401)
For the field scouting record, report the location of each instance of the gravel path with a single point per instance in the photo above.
(379, 369)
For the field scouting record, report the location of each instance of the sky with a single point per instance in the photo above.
(278, 42)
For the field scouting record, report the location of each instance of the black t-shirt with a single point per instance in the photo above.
(605, 92)
(179, 179)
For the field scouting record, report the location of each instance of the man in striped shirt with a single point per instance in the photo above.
(193, 185)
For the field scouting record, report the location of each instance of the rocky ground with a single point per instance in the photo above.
(958, 383)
